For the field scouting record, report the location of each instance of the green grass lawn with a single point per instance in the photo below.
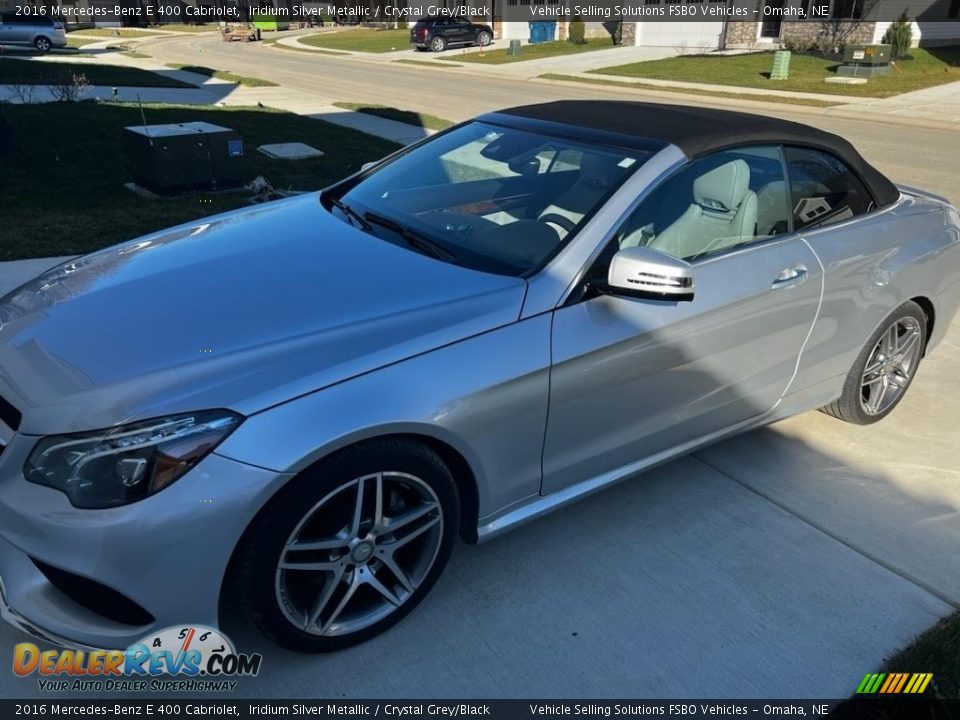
(68, 186)
(184, 27)
(928, 67)
(275, 42)
(223, 75)
(111, 32)
(405, 116)
(75, 42)
(427, 63)
(533, 52)
(639, 87)
(937, 651)
(361, 40)
(31, 72)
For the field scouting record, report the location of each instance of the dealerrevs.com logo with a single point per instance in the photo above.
(186, 659)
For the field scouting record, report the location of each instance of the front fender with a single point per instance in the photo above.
(486, 397)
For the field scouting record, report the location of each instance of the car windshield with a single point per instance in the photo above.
(488, 197)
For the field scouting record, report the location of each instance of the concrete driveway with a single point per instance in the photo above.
(784, 563)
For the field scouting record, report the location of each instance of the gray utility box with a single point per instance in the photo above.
(184, 156)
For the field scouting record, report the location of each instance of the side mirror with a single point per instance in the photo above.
(643, 272)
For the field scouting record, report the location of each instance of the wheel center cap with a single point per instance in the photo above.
(362, 552)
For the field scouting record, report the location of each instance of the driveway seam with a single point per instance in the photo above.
(823, 529)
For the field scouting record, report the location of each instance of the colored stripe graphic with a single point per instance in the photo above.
(903, 681)
(894, 683)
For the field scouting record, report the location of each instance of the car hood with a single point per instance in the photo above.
(242, 311)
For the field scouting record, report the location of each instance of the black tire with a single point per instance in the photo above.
(42, 44)
(253, 570)
(849, 407)
(438, 44)
(483, 38)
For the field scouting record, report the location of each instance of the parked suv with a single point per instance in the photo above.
(438, 34)
(42, 33)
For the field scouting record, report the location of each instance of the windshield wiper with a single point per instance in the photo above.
(416, 240)
(348, 211)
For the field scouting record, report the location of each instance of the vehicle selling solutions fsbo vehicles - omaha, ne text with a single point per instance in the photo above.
(295, 408)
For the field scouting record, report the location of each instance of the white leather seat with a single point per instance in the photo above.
(723, 214)
(597, 173)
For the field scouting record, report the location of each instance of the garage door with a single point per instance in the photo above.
(690, 35)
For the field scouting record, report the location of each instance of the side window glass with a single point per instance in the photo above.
(823, 189)
(716, 203)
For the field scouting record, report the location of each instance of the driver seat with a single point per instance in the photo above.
(723, 214)
(597, 174)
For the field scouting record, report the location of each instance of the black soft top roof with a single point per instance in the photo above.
(698, 131)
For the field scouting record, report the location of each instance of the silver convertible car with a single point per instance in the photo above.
(296, 408)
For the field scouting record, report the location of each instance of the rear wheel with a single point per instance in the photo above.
(483, 39)
(42, 44)
(884, 369)
(438, 44)
(348, 548)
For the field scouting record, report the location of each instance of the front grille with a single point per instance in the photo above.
(9, 415)
(100, 599)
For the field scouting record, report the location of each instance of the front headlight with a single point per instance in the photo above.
(121, 465)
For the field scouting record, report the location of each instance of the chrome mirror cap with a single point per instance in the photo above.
(648, 273)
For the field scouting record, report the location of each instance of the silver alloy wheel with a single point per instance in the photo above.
(483, 39)
(890, 366)
(42, 44)
(359, 553)
(438, 44)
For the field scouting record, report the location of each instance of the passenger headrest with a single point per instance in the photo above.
(723, 188)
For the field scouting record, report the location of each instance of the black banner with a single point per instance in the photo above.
(892, 708)
(139, 12)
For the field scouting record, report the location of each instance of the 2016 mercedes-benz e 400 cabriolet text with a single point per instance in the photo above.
(296, 408)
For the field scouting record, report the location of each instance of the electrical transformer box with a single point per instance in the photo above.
(867, 54)
(184, 156)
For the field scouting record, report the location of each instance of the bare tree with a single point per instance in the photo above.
(835, 33)
(22, 93)
(70, 88)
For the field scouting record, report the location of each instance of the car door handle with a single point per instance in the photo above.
(790, 277)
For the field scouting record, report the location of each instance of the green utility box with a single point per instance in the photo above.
(270, 22)
(514, 48)
(184, 156)
(865, 60)
(867, 54)
(781, 65)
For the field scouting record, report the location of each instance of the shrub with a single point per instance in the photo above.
(899, 36)
(577, 31)
(800, 45)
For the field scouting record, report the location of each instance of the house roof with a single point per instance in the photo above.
(699, 131)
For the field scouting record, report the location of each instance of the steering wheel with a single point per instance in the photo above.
(560, 220)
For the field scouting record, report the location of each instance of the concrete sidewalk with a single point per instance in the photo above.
(941, 102)
(784, 563)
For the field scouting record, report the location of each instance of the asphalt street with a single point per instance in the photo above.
(787, 562)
